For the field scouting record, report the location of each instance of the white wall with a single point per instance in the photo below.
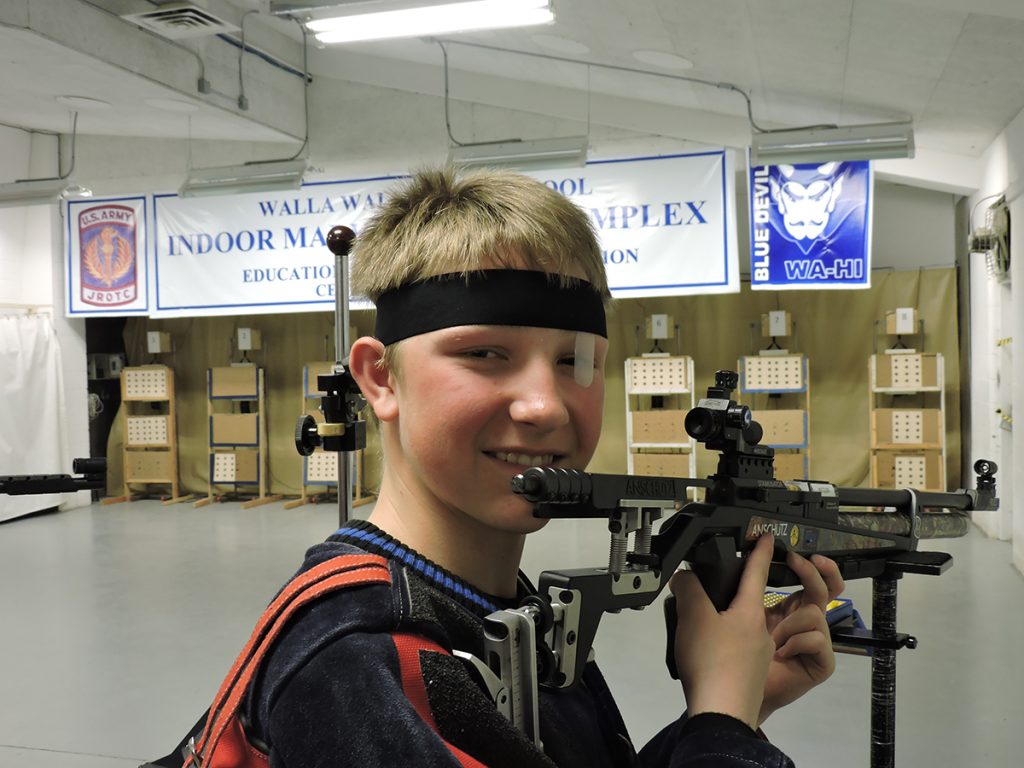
(998, 313)
(912, 227)
(14, 152)
(31, 276)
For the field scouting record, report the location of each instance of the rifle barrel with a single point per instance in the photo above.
(882, 497)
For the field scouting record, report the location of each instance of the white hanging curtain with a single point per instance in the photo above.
(32, 409)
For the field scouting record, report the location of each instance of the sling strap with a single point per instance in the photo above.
(223, 743)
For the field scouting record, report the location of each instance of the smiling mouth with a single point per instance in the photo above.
(524, 459)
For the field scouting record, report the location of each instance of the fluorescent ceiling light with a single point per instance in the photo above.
(270, 176)
(820, 145)
(432, 20)
(39, 191)
(75, 190)
(525, 155)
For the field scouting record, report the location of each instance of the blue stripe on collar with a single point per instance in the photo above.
(427, 570)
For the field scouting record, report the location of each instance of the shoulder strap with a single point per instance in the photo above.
(337, 573)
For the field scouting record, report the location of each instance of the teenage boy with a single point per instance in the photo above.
(487, 358)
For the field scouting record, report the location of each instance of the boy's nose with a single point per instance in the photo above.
(538, 400)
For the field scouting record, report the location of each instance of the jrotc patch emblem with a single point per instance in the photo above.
(109, 274)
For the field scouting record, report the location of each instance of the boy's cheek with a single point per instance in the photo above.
(589, 421)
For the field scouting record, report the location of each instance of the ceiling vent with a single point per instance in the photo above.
(178, 21)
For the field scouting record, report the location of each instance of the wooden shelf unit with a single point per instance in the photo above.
(236, 406)
(907, 413)
(149, 429)
(784, 381)
(320, 469)
(659, 393)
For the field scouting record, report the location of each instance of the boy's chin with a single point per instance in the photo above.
(521, 521)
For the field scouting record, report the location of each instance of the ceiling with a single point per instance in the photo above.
(38, 75)
(954, 67)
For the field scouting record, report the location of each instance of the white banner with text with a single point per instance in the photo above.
(666, 225)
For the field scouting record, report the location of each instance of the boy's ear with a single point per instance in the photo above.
(374, 379)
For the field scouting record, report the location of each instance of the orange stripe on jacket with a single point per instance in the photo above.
(409, 647)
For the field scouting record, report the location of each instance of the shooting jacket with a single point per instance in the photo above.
(366, 677)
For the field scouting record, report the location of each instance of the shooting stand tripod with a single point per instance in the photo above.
(881, 643)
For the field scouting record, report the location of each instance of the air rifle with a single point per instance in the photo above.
(93, 477)
(742, 501)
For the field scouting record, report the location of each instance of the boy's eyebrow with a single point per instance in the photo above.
(475, 333)
(513, 297)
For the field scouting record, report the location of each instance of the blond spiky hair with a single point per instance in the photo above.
(443, 221)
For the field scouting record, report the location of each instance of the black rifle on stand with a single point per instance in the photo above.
(742, 501)
(93, 476)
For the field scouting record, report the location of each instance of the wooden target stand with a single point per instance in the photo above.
(784, 380)
(149, 427)
(659, 392)
(236, 405)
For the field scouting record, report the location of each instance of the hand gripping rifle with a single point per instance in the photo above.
(547, 641)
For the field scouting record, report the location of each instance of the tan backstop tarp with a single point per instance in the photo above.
(835, 329)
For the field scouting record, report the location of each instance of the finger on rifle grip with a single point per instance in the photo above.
(671, 622)
(719, 570)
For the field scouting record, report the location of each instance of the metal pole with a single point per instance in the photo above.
(341, 349)
(883, 674)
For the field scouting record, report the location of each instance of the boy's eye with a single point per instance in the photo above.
(483, 354)
(567, 360)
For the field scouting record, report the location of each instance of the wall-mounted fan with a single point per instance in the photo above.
(993, 239)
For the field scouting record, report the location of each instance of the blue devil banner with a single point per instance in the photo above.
(810, 226)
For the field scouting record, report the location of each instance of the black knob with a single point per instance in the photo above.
(543, 616)
(700, 422)
(339, 240)
(753, 433)
(307, 439)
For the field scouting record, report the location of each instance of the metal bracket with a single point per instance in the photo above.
(510, 673)
(564, 632)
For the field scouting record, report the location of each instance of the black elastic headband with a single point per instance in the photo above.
(489, 297)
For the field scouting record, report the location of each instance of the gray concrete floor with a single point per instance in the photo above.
(117, 624)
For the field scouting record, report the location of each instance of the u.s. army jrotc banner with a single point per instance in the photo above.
(106, 257)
